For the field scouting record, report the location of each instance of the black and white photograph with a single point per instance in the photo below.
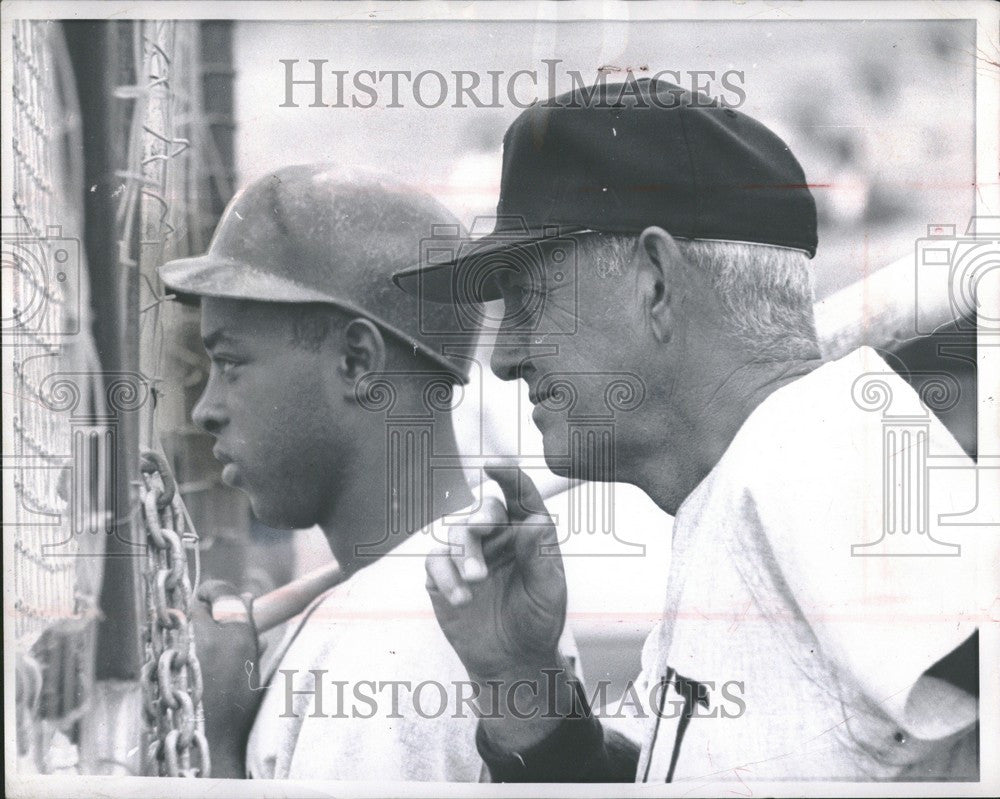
(500, 399)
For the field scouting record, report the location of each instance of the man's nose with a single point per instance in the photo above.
(506, 358)
(208, 412)
(513, 344)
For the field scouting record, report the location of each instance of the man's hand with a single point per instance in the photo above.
(499, 593)
(228, 653)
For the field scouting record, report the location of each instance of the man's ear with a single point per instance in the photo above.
(362, 351)
(658, 262)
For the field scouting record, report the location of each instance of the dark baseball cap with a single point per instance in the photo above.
(618, 158)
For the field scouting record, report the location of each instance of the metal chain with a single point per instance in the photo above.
(171, 676)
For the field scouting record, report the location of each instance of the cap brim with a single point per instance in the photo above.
(467, 278)
(212, 276)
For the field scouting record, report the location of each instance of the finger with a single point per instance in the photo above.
(519, 492)
(230, 609)
(443, 578)
(539, 562)
(467, 538)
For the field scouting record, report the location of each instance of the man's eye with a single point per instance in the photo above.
(224, 365)
(529, 297)
(520, 294)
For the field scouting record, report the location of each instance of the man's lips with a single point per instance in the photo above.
(221, 455)
(230, 472)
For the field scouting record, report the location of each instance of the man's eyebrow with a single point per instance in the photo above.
(216, 337)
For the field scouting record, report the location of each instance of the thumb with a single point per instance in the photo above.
(210, 590)
(224, 602)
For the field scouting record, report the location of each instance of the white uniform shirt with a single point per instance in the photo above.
(809, 650)
(376, 628)
(394, 702)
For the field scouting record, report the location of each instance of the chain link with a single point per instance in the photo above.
(171, 675)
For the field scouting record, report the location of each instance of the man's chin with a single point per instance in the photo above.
(555, 448)
(582, 462)
(560, 467)
(578, 468)
(276, 517)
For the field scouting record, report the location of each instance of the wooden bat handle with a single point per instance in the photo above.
(282, 604)
(881, 310)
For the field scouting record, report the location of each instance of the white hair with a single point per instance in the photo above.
(766, 291)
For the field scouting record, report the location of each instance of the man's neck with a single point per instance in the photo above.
(701, 437)
(385, 502)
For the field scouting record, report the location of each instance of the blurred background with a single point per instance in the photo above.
(880, 114)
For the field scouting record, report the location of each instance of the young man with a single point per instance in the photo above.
(805, 636)
(314, 358)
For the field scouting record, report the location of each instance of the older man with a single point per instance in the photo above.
(786, 650)
(314, 356)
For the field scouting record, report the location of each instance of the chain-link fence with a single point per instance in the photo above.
(63, 466)
(53, 478)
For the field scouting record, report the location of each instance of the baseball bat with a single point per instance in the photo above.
(281, 604)
(879, 310)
